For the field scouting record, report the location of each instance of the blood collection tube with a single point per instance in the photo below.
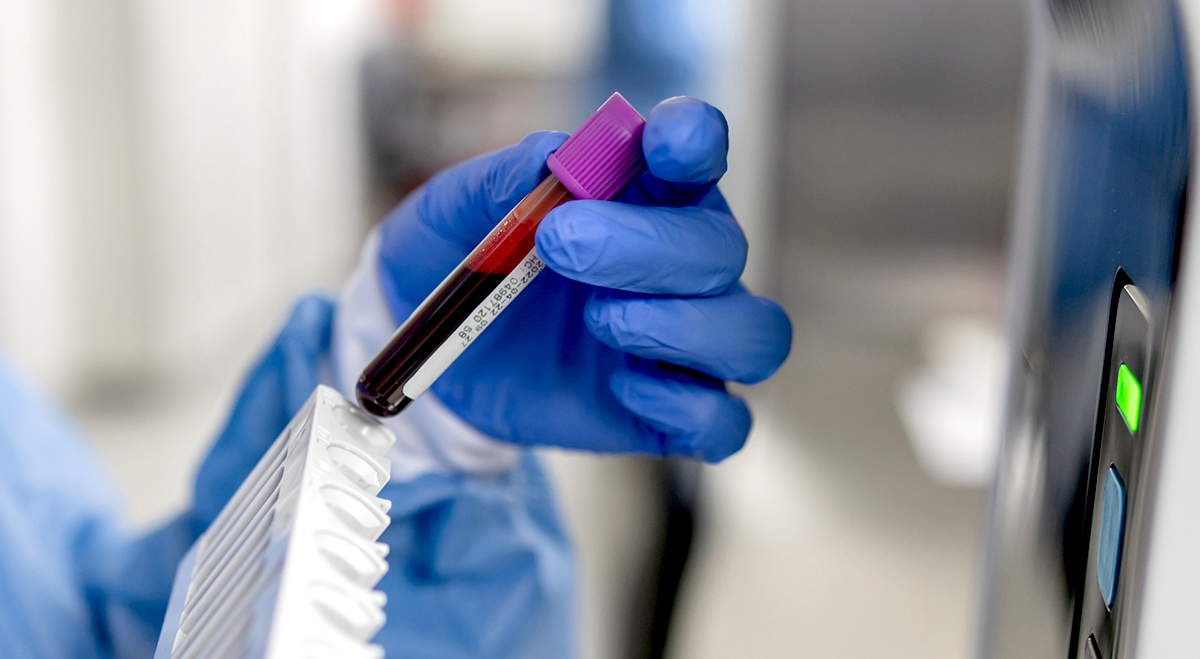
(598, 161)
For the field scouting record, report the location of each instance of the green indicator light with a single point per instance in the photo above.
(1129, 397)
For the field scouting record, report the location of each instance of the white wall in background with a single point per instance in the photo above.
(37, 320)
(252, 160)
(531, 37)
(171, 175)
(104, 247)
(748, 90)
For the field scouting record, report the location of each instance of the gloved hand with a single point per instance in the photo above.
(626, 341)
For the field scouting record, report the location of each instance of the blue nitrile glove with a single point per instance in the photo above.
(274, 391)
(75, 582)
(626, 342)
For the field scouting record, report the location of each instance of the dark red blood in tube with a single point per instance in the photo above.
(380, 389)
(599, 161)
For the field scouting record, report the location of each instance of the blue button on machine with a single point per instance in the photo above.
(1112, 530)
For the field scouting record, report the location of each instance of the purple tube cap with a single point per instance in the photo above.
(604, 156)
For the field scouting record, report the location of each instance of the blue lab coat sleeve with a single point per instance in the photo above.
(480, 566)
(75, 582)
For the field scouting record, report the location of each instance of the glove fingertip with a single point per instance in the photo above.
(775, 339)
(686, 141)
(688, 421)
(723, 424)
(730, 430)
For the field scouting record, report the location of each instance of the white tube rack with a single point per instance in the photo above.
(287, 569)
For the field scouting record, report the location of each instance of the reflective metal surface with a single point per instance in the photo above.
(1101, 186)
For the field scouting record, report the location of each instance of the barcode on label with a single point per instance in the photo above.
(480, 318)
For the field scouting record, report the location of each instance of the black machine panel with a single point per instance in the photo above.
(1115, 474)
(1097, 221)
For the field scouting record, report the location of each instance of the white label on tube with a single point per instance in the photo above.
(480, 318)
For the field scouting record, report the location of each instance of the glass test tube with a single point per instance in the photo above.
(597, 162)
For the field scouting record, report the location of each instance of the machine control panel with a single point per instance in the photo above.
(1116, 464)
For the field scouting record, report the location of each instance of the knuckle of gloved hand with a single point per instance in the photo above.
(620, 323)
(711, 245)
(573, 241)
(678, 330)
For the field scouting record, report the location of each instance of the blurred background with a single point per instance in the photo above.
(173, 174)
